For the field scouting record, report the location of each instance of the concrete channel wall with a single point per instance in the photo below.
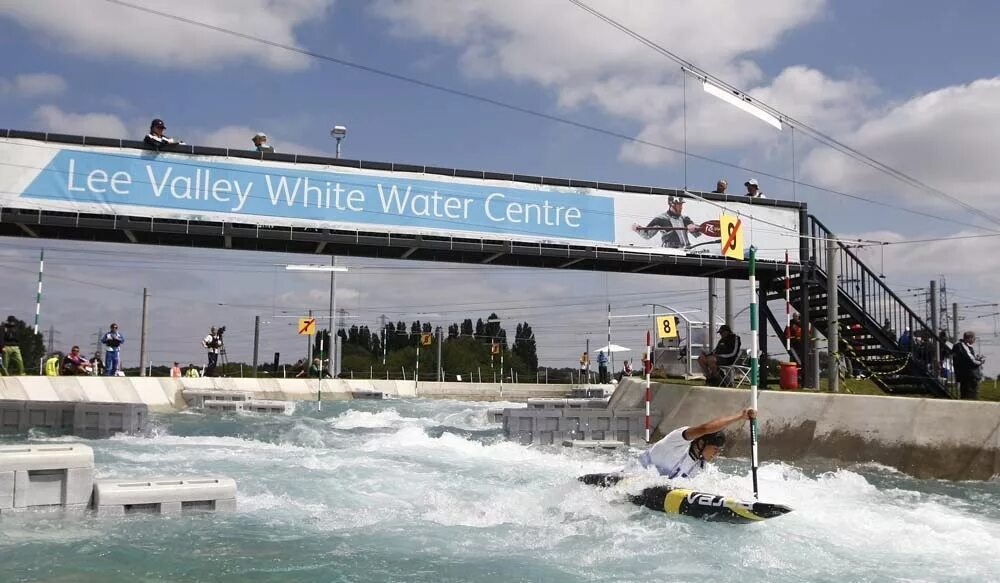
(165, 394)
(927, 438)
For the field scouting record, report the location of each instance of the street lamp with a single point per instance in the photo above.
(333, 268)
(338, 133)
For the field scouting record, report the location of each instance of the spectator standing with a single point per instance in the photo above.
(753, 189)
(212, 343)
(721, 186)
(175, 371)
(602, 367)
(156, 138)
(905, 341)
(52, 365)
(968, 366)
(12, 348)
(260, 141)
(585, 367)
(887, 328)
(112, 340)
(192, 372)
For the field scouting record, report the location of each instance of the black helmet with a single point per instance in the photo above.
(717, 439)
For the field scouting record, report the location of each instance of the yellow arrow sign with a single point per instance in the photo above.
(307, 326)
(666, 327)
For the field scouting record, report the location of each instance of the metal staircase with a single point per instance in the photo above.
(871, 320)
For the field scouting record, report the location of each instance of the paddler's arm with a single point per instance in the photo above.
(693, 433)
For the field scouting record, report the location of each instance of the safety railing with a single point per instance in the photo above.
(889, 315)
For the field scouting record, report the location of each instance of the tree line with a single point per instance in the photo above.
(467, 347)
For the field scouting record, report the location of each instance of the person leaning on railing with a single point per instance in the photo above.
(156, 138)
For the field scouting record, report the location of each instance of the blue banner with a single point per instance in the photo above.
(192, 186)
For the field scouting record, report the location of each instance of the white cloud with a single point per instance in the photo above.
(586, 62)
(33, 85)
(106, 125)
(946, 138)
(105, 29)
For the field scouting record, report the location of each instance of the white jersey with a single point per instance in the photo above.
(671, 456)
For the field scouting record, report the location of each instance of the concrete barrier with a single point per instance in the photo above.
(223, 406)
(269, 406)
(548, 426)
(163, 395)
(46, 475)
(98, 420)
(91, 420)
(196, 397)
(164, 495)
(927, 438)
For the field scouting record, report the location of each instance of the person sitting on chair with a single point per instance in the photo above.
(725, 354)
(75, 364)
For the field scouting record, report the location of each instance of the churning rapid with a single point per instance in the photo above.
(429, 491)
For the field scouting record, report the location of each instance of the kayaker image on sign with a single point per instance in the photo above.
(676, 230)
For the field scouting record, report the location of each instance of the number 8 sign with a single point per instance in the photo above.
(666, 327)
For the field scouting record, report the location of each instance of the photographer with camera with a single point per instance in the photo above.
(213, 343)
(112, 340)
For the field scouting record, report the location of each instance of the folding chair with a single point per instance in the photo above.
(736, 374)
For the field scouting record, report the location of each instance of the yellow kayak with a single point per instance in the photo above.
(688, 502)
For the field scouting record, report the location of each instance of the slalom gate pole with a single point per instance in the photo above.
(319, 386)
(754, 348)
(648, 368)
(788, 307)
(38, 296)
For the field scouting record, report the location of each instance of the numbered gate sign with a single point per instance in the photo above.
(732, 236)
(666, 327)
(426, 339)
(307, 326)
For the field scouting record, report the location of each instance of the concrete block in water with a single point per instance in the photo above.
(586, 393)
(196, 397)
(494, 415)
(52, 415)
(551, 426)
(96, 420)
(164, 495)
(223, 406)
(46, 475)
(368, 395)
(265, 406)
(603, 444)
(11, 413)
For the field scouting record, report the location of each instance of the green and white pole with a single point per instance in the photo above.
(38, 297)
(754, 349)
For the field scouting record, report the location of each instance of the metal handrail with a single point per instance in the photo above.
(869, 293)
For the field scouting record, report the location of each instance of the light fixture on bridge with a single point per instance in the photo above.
(338, 133)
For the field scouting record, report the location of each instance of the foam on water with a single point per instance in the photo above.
(414, 490)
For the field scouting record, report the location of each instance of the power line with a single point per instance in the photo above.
(808, 130)
(528, 111)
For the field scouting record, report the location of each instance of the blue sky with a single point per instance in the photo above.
(914, 84)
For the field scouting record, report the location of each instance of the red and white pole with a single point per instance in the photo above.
(648, 365)
(788, 306)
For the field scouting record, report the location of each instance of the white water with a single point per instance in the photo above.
(429, 491)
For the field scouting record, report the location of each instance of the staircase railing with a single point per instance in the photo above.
(872, 296)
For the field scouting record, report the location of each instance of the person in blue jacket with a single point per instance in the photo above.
(112, 341)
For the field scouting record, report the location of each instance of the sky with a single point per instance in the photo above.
(913, 84)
